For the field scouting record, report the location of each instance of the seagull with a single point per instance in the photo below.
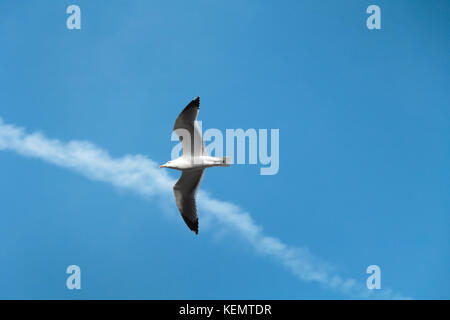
(192, 163)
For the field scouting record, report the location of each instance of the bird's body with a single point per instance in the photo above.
(200, 162)
(192, 163)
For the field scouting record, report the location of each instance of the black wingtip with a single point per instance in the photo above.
(197, 102)
(193, 225)
(193, 104)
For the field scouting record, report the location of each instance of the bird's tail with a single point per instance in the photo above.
(226, 162)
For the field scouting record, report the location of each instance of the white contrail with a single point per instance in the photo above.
(143, 176)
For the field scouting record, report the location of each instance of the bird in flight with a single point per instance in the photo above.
(192, 163)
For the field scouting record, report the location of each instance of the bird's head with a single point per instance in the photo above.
(168, 164)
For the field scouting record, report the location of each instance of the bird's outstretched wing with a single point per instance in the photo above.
(185, 190)
(186, 127)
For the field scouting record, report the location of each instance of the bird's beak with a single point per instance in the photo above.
(162, 166)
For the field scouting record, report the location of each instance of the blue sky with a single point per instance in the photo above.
(364, 134)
